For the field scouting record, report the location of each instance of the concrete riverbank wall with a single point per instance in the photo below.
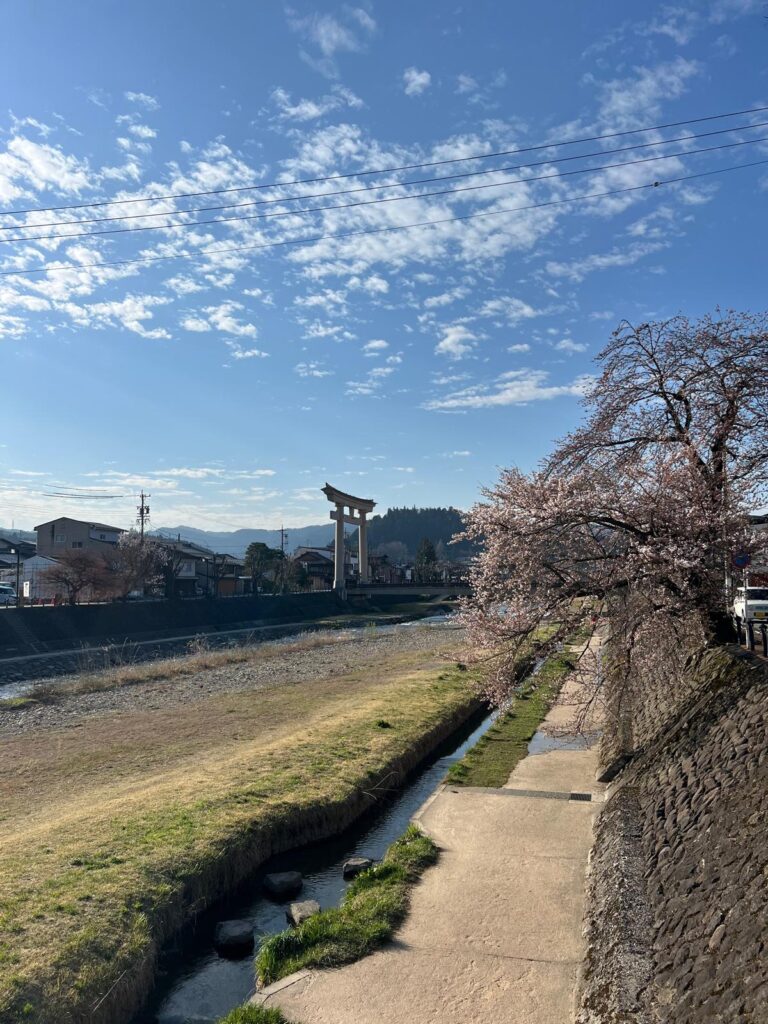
(30, 630)
(678, 886)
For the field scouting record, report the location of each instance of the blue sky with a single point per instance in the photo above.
(408, 365)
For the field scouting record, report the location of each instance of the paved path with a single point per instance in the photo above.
(494, 931)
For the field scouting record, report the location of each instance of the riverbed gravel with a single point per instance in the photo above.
(271, 666)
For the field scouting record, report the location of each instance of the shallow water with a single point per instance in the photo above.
(200, 986)
(543, 743)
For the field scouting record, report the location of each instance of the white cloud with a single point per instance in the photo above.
(515, 387)
(680, 24)
(576, 270)
(310, 110)
(363, 18)
(456, 342)
(144, 100)
(465, 84)
(626, 102)
(221, 318)
(245, 353)
(375, 348)
(333, 301)
(311, 370)
(568, 345)
(27, 167)
(415, 82)
(508, 308)
(195, 323)
(319, 330)
(521, 347)
(457, 455)
(374, 285)
(183, 285)
(142, 131)
(331, 36)
(445, 298)
(130, 313)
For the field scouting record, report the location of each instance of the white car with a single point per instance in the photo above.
(757, 604)
(7, 594)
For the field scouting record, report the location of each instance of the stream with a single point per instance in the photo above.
(197, 986)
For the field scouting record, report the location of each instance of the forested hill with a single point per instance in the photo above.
(410, 525)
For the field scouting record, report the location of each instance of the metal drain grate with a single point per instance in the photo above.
(540, 794)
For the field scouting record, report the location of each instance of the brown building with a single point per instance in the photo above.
(64, 534)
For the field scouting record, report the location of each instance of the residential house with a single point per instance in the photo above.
(198, 571)
(12, 554)
(318, 564)
(65, 534)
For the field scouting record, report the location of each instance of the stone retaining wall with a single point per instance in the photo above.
(677, 918)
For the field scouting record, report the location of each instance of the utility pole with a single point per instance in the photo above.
(143, 516)
(17, 552)
(283, 541)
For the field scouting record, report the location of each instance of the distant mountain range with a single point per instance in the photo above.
(402, 526)
(235, 542)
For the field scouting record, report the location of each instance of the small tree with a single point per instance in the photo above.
(293, 576)
(138, 563)
(426, 561)
(78, 571)
(261, 559)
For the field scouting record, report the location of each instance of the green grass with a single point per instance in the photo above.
(128, 825)
(254, 1015)
(490, 762)
(374, 905)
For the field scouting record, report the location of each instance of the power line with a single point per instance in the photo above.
(376, 188)
(386, 199)
(308, 240)
(389, 170)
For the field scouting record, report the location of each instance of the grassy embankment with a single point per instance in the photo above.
(493, 758)
(374, 905)
(117, 828)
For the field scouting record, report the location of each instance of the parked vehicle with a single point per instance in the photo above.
(757, 605)
(7, 594)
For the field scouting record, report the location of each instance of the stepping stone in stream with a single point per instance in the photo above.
(298, 912)
(234, 938)
(355, 865)
(283, 884)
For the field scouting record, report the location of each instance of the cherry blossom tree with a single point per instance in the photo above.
(635, 514)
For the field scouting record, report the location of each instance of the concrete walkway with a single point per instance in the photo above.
(494, 931)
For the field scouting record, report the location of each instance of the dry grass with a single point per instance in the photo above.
(199, 660)
(116, 829)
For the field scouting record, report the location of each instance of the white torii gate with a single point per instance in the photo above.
(362, 506)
